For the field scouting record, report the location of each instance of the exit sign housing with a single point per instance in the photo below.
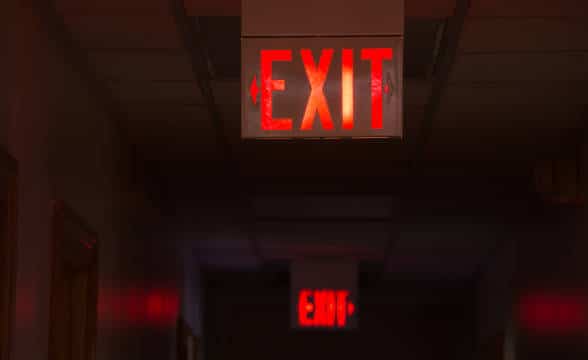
(322, 87)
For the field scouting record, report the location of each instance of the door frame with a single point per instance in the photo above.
(184, 335)
(62, 216)
(8, 187)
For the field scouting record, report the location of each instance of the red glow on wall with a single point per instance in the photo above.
(25, 306)
(317, 103)
(268, 86)
(324, 308)
(138, 307)
(554, 313)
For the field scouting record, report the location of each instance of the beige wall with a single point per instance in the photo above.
(552, 257)
(67, 148)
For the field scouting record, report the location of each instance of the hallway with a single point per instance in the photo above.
(144, 215)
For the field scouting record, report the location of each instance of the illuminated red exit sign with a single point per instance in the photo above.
(323, 294)
(321, 87)
(325, 308)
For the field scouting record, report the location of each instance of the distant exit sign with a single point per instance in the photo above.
(331, 87)
(323, 295)
(328, 308)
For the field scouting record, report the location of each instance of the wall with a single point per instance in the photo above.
(581, 223)
(544, 254)
(69, 149)
(551, 260)
(496, 293)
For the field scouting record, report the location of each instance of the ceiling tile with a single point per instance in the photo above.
(453, 246)
(451, 235)
(178, 154)
(287, 250)
(529, 8)
(173, 92)
(227, 92)
(113, 7)
(504, 118)
(417, 92)
(524, 34)
(181, 121)
(213, 8)
(504, 94)
(421, 44)
(318, 169)
(311, 18)
(438, 266)
(228, 261)
(503, 145)
(225, 240)
(325, 207)
(222, 36)
(436, 9)
(521, 67)
(414, 8)
(140, 65)
(124, 32)
(288, 240)
(181, 133)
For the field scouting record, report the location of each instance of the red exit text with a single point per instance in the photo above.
(324, 308)
(317, 67)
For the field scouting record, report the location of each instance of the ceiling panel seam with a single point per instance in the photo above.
(448, 52)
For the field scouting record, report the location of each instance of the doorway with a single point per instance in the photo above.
(8, 172)
(74, 287)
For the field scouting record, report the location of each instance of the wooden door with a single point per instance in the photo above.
(74, 288)
(7, 250)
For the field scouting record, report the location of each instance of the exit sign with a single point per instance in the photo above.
(327, 308)
(330, 87)
(323, 295)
